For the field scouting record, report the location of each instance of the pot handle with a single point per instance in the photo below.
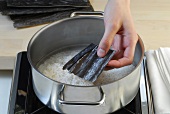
(81, 13)
(61, 101)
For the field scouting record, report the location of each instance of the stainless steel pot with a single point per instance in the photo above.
(64, 98)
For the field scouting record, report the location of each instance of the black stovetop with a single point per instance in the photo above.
(24, 101)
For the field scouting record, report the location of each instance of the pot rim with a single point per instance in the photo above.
(62, 20)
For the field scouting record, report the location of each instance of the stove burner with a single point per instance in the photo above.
(24, 101)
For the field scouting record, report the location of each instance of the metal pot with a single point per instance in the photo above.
(64, 98)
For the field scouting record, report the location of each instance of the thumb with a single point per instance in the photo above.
(106, 42)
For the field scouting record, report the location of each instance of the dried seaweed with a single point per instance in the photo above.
(48, 3)
(25, 11)
(33, 13)
(78, 56)
(90, 66)
(3, 5)
(38, 19)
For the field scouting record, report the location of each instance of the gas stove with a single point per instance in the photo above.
(24, 101)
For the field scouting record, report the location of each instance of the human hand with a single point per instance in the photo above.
(119, 34)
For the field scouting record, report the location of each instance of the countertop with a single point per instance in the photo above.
(151, 18)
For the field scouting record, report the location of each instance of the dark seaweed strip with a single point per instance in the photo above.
(90, 66)
(91, 73)
(20, 11)
(28, 17)
(33, 20)
(47, 3)
(70, 63)
(3, 5)
(86, 64)
(105, 62)
(98, 66)
(78, 64)
(41, 19)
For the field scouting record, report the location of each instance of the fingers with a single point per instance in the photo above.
(127, 58)
(120, 63)
(106, 41)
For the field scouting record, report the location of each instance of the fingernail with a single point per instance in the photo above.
(101, 52)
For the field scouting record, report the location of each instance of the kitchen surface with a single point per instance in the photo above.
(151, 18)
